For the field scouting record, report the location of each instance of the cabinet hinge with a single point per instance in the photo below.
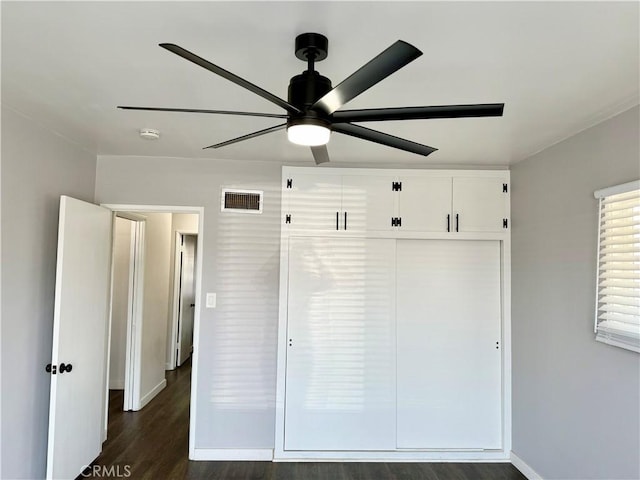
(505, 187)
(287, 218)
(396, 186)
(289, 182)
(396, 221)
(505, 223)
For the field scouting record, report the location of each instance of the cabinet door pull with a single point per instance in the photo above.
(345, 220)
(448, 222)
(337, 220)
(457, 223)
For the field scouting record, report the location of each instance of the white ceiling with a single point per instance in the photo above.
(558, 67)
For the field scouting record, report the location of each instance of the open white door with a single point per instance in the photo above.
(79, 333)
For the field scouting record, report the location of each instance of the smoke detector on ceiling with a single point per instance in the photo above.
(149, 133)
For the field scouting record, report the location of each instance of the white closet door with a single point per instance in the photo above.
(448, 328)
(340, 377)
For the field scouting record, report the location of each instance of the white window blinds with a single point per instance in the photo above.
(617, 319)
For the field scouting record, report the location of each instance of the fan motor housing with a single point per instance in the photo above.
(312, 44)
(306, 88)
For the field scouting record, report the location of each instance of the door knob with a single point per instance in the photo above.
(65, 367)
(193, 305)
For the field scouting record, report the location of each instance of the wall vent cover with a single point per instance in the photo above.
(243, 201)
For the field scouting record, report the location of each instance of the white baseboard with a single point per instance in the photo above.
(524, 468)
(246, 454)
(497, 456)
(266, 454)
(154, 391)
(168, 366)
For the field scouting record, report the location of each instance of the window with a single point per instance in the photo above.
(617, 319)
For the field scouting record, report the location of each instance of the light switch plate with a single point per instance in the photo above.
(211, 300)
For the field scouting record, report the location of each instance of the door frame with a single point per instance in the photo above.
(142, 209)
(133, 346)
(134, 312)
(175, 310)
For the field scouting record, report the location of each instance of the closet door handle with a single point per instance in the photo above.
(457, 223)
(448, 222)
(345, 220)
(337, 220)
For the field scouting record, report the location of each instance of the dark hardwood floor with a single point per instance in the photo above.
(153, 444)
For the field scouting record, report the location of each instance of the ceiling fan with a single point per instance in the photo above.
(312, 108)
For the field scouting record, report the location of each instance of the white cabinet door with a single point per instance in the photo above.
(479, 204)
(314, 202)
(340, 373)
(368, 203)
(425, 204)
(449, 344)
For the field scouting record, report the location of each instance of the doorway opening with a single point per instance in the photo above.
(85, 310)
(156, 276)
(183, 299)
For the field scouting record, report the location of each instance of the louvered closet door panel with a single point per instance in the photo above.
(313, 202)
(448, 323)
(340, 377)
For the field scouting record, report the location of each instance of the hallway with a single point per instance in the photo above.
(152, 444)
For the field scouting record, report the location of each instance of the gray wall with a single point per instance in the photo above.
(576, 402)
(37, 167)
(237, 363)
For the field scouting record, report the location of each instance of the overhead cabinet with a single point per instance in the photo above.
(394, 315)
(338, 203)
(480, 204)
(424, 203)
(387, 201)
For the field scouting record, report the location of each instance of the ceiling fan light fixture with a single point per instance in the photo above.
(314, 107)
(311, 135)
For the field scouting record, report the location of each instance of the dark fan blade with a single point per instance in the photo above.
(248, 136)
(320, 154)
(419, 113)
(382, 138)
(192, 57)
(197, 110)
(392, 59)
